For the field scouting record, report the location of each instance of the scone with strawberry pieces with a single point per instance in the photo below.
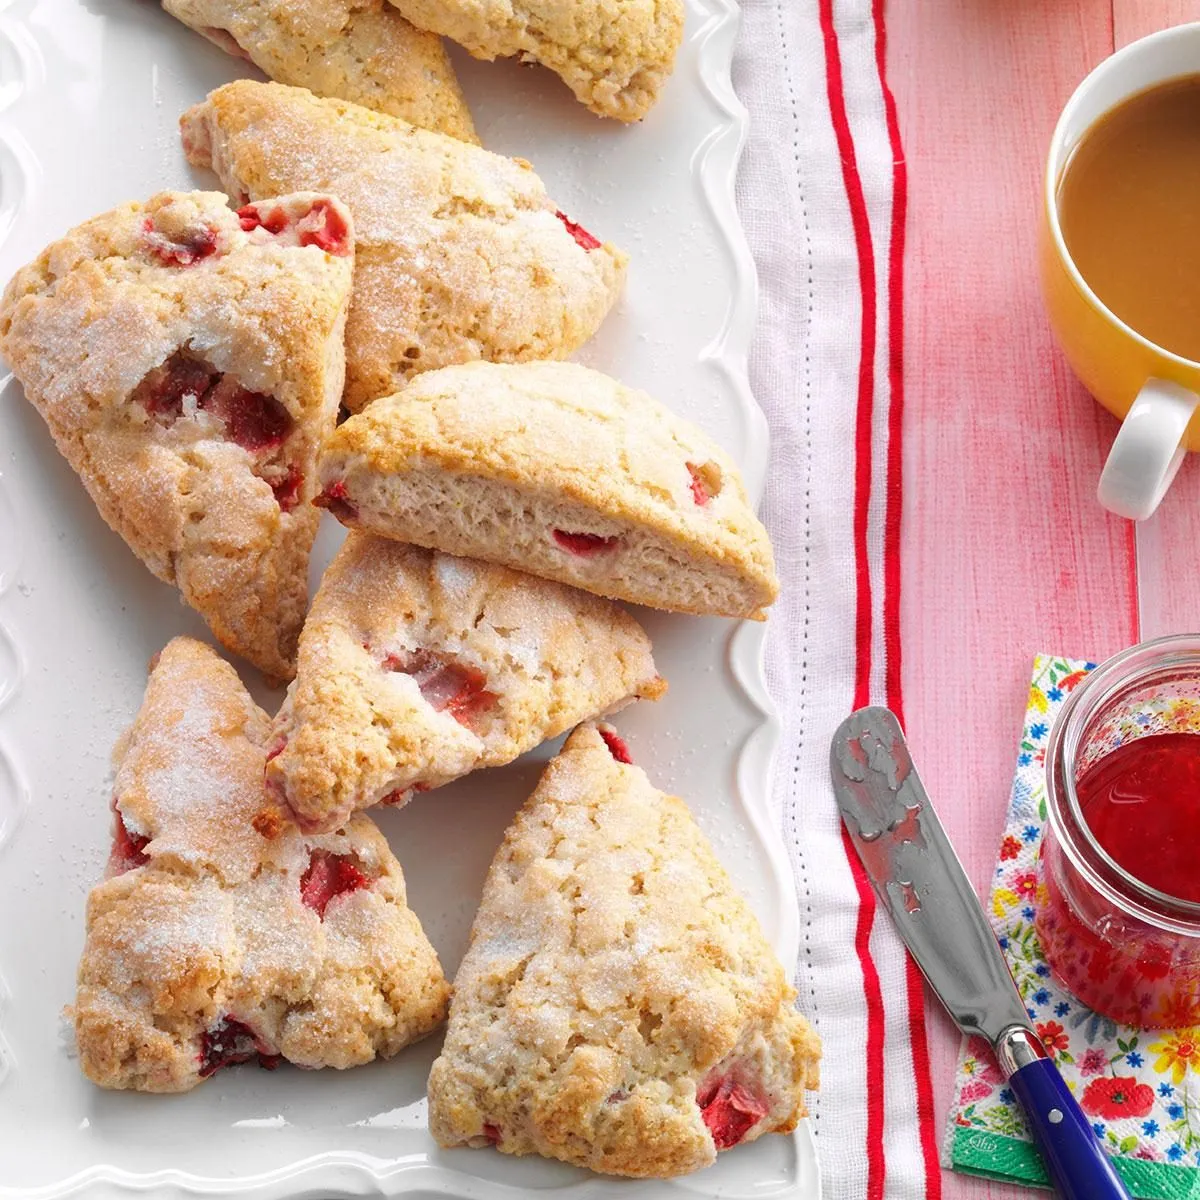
(618, 1007)
(416, 668)
(559, 471)
(358, 50)
(209, 944)
(615, 55)
(461, 253)
(188, 361)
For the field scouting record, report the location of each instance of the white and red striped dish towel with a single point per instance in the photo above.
(822, 198)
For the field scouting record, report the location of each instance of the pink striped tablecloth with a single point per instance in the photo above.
(931, 494)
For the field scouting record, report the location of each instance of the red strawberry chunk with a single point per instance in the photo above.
(616, 746)
(287, 489)
(700, 492)
(581, 235)
(400, 796)
(226, 40)
(329, 875)
(254, 420)
(493, 1134)
(336, 499)
(729, 1110)
(447, 686)
(585, 545)
(162, 390)
(190, 247)
(128, 849)
(250, 218)
(326, 228)
(230, 1042)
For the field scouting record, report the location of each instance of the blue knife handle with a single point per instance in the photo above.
(1079, 1168)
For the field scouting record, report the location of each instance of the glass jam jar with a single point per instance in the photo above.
(1124, 947)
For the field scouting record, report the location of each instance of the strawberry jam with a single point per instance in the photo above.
(1142, 804)
(1118, 906)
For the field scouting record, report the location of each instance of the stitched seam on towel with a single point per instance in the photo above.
(803, 881)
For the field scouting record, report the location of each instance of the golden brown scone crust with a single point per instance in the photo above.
(210, 927)
(490, 460)
(400, 639)
(615, 55)
(460, 253)
(358, 50)
(99, 310)
(614, 981)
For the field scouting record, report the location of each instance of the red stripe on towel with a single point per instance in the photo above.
(874, 1090)
(892, 574)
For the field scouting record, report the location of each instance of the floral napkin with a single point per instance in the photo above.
(1140, 1088)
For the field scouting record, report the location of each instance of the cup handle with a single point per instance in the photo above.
(1147, 451)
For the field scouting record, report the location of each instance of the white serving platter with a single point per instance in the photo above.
(90, 92)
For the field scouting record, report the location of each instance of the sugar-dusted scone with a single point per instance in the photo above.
(359, 50)
(416, 668)
(615, 55)
(559, 471)
(618, 1006)
(188, 361)
(209, 944)
(461, 254)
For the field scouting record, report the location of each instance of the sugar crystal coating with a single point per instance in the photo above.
(214, 945)
(188, 369)
(618, 1006)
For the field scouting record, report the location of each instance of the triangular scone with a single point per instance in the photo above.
(358, 50)
(618, 1006)
(559, 471)
(209, 944)
(188, 361)
(615, 57)
(416, 668)
(461, 254)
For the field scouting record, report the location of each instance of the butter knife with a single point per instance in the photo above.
(922, 884)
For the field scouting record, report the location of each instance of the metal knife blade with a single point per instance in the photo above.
(917, 875)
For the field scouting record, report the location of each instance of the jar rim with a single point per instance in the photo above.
(1101, 686)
